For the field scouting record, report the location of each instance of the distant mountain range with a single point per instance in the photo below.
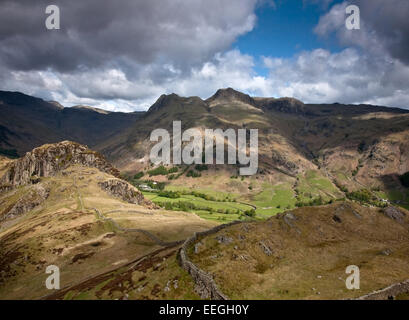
(27, 122)
(352, 144)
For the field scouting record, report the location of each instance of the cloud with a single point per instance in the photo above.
(122, 56)
(126, 53)
(95, 33)
(323, 3)
(349, 76)
(384, 27)
(112, 89)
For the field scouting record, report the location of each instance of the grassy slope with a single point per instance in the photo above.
(65, 231)
(309, 258)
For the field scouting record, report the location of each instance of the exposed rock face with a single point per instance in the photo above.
(266, 249)
(36, 196)
(126, 192)
(49, 159)
(281, 163)
(230, 94)
(285, 105)
(394, 213)
(223, 239)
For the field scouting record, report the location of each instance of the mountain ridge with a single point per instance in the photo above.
(27, 122)
(353, 141)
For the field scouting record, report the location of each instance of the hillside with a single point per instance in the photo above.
(300, 254)
(77, 216)
(303, 254)
(308, 154)
(294, 137)
(64, 204)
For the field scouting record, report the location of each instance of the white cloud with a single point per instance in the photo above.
(346, 77)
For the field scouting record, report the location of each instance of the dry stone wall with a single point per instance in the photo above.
(389, 293)
(205, 285)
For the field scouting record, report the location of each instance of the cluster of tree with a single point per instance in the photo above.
(138, 176)
(162, 171)
(183, 206)
(193, 174)
(208, 197)
(188, 206)
(250, 213)
(318, 201)
(169, 194)
(201, 167)
(365, 196)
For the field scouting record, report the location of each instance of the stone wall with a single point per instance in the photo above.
(205, 285)
(389, 293)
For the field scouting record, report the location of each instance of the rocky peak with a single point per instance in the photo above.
(50, 159)
(286, 105)
(163, 100)
(230, 94)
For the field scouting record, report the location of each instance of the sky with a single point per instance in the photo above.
(122, 55)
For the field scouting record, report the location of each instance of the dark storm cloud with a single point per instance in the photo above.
(389, 20)
(384, 26)
(94, 32)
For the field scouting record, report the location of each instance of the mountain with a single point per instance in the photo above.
(307, 151)
(353, 145)
(27, 122)
(327, 195)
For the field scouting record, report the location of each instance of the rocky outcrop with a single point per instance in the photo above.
(33, 198)
(394, 214)
(285, 105)
(50, 159)
(228, 95)
(126, 192)
(282, 164)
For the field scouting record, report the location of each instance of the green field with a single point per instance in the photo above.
(313, 185)
(274, 199)
(266, 198)
(212, 214)
(211, 192)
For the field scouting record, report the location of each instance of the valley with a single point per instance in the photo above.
(329, 192)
